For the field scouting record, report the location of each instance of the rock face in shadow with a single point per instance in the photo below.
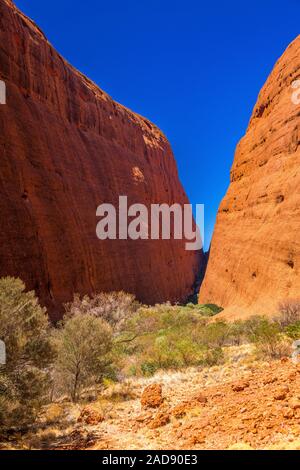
(254, 259)
(65, 148)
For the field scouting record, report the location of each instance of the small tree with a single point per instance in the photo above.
(24, 328)
(83, 344)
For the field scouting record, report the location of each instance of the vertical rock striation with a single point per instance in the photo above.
(65, 148)
(255, 253)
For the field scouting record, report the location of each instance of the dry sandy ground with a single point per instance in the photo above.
(242, 405)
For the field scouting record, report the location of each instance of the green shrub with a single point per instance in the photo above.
(237, 333)
(293, 330)
(149, 368)
(212, 357)
(266, 335)
(83, 344)
(25, 379)
(210, 309)
(207, 310)
(171, 337)
(214, 335)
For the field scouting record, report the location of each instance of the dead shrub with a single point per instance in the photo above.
(289, 312)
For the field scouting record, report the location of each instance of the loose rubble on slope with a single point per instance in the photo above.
(243, 405)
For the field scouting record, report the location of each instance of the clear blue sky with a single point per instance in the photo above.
(193, 67)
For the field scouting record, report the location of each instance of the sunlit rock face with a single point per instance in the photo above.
(255, 253)
(67, 147)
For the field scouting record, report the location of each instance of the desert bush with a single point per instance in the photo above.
(118, 392)
(171, 337)
(43, 440)
(209, 310)
(212, 357)
(83, 345)
(266, 335)
(289, 312)
(237, 333)
(165, 316)
(25, 378)
(148, 368)
(113, 307)
(293, 330)
(188, 352)
(261, 329)
(275, 349)
(250, 326)
(214, 335)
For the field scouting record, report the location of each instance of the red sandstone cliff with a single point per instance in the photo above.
(255, 253)
(65, 148)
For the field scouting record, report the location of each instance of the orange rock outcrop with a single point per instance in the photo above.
(65, 148)
(254, 259)
(152, 396)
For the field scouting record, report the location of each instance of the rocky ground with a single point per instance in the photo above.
(243, 405)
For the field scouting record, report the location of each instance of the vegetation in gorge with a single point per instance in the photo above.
(110, 337)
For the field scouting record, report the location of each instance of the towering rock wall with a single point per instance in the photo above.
(65, 148)
(255, 253)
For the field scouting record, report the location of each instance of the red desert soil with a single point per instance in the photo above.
(260, 410)
(253, 405)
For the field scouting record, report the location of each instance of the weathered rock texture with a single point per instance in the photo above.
(255, 253)
(67, 147)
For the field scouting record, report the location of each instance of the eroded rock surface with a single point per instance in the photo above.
(65, 148)
(255, 254)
